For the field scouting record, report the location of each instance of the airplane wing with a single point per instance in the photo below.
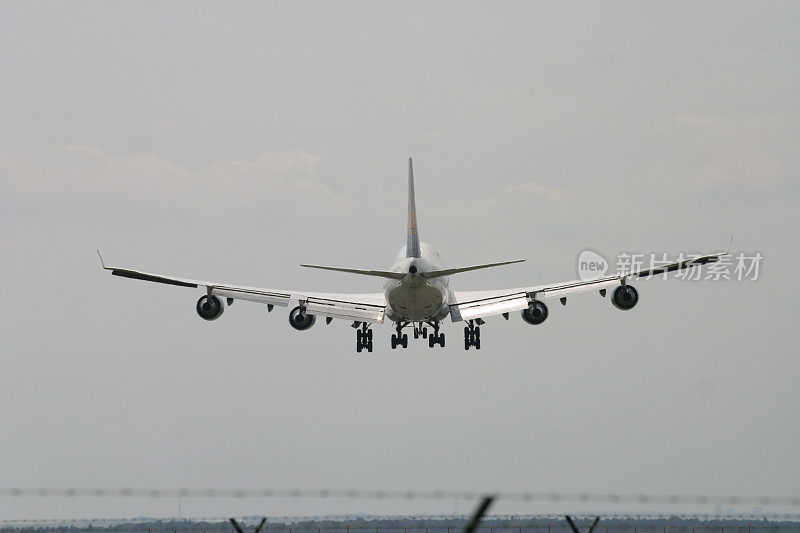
(470, 305)
(357, 307)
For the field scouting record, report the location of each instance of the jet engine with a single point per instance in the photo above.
(300, 320)
(625, 297)
(210, 307)
(536, 313)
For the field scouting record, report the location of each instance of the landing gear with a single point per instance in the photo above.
(435, 337)
(472, 336)
(420, 331)
(401, 339)
(364, 338)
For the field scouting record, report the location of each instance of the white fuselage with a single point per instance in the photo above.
(415, 298)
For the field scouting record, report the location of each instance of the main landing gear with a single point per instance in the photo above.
(435, 337)
(401, 339)
(364, 338)
(472, 336)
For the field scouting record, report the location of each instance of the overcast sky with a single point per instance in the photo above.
(234, 141)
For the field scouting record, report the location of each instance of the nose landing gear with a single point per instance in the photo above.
(472, 336)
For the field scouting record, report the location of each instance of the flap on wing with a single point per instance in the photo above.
(488, 307)
(679, 265)
(347, 310)
(133, 274)
(281, 299)
(559, 291)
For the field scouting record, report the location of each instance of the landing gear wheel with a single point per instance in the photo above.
(424, 333)
(363, 338)
(431, 341)
(405, 341)
(394, 341)
(416, 333)
(472, 336)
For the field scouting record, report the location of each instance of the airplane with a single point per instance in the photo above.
(416, 294)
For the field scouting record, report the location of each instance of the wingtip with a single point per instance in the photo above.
(102, 263)
(729, 244)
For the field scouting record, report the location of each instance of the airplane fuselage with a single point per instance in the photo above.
(415, 298)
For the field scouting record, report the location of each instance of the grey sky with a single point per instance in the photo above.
(234, 141)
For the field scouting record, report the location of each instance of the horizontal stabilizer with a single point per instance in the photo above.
(451, 271)
(376, 273)
(401, 275)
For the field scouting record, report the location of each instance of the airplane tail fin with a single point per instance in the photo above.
(412, 243)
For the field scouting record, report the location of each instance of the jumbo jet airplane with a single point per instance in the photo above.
(416, 294)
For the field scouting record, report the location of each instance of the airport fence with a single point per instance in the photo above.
(760, 527)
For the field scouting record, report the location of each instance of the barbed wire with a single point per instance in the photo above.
(393, 494)
(631, 517)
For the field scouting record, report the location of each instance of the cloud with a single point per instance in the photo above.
(711, 152)
(531, 187)
(274, 178)
(693, 120)
(434, 135)
(249, 173)
(88, 150)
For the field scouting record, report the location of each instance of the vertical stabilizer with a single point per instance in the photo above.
(412, 244)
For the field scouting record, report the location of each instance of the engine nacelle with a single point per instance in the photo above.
(625, 297)
(210, 308)
(536, 313)
(300, 320)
